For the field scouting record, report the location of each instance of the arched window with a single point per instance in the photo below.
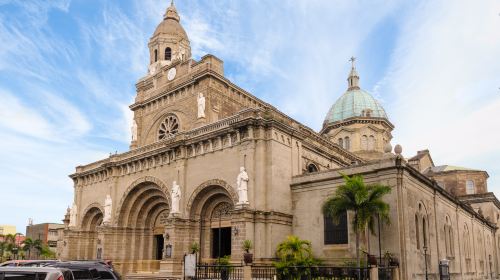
(364, 142)
(168, 54)
(470, 188)
(336, 233)
(448, 237)
(371, 143)
(347, 143)
(424, 231)
(417, 232)
(341, 142)
(156, 55)
(311, 168)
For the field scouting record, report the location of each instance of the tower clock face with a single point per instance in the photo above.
(171, 74)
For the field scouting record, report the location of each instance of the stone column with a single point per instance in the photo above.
(178, 230)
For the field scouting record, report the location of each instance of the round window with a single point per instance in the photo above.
(169, 127)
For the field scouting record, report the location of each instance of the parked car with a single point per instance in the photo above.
(86, 271)
(12, 263)
(35, 273)
(105, 268)
(36, 263)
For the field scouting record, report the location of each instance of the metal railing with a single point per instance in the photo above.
(223, 272)
(263, 272)
(385, 273)
(310, 273)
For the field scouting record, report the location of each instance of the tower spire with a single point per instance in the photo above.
(353, 79)
(171, 12)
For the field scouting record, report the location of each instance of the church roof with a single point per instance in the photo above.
(355, 102)
(444, 168)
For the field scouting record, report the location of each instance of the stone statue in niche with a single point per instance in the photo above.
(201, 105)
(242, 183)
(176, 198)
(73, 215)
(134, 130)
(108, 208)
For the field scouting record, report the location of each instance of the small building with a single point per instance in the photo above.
(7, 229)
(49, 233)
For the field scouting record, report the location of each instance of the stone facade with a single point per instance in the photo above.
(194, 127)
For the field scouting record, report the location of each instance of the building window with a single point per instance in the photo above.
(448, 238)
(311, 168)
(341, 142)
(417, 232)
(168, 54)
(168, 128)
(364, 143)
(336, 233)
(371, 143)
(470, 188)
(156, 55)
(347, 143)
(424, 232)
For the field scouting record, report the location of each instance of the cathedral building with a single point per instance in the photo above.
(210, 163)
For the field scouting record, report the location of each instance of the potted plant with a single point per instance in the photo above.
(247, 256)
(390, 259)
(372, 260)
(224, 267)
(195, 248)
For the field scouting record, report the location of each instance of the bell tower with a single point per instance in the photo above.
(169, 41)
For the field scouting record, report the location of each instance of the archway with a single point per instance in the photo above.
(142, 215)
(91, 220)
(212, 208)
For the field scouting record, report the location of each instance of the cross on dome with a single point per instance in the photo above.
(353, 79)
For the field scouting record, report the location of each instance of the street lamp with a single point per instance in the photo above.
(425, 260)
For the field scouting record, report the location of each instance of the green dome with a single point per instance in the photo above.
(354, 102)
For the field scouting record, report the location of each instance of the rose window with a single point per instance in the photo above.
(169, 127)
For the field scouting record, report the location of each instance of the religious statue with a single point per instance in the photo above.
(242, 183)
(73, 215)
(134, 130)
(201, 105)
(108, 207)
(176, 198)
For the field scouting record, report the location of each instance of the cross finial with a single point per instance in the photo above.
(352, 60)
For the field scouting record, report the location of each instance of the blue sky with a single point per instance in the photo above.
(68, 71)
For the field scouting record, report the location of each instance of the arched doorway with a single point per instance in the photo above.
(212, 209)
(91, 220)
(142, 216)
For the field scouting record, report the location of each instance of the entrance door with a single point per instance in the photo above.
(221, 242)
(159, 246)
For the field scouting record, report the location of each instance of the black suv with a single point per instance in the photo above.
(89, 270)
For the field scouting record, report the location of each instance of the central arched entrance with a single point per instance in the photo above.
(142, 215)
(212, 209)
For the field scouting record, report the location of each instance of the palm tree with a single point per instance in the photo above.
(28, 245)
(38, 245)
(294, 249)
(364, 200)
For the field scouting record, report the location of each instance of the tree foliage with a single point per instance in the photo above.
(365, 201)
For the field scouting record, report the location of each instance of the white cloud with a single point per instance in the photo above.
(17, 117)
(443, 82)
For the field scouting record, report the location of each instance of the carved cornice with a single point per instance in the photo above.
(175, 148)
